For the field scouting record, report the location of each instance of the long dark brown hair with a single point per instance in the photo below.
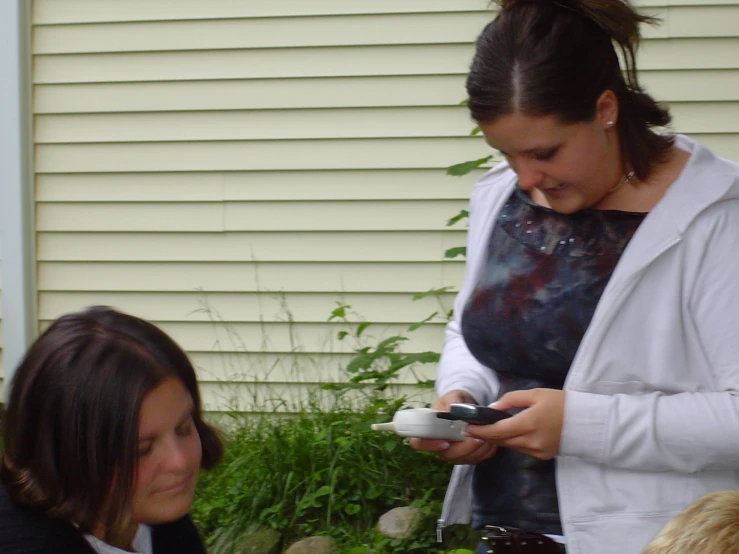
(71, 423)
(547, 57)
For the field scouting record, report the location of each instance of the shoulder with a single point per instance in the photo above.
(498, 178)
(179, 536)
(706, 189)
(30, 532)
(21, 530)
(492, 187)
(719, 175)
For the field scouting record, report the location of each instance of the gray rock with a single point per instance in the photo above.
(313, 545)
(399, 523)
(261, 541)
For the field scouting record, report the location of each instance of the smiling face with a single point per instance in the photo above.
(566, 167)
(169, 454)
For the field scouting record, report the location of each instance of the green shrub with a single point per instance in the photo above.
(321, 472)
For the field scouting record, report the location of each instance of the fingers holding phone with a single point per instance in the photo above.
(535, 431)
(468, 451)
(452, 397)
(459, 405)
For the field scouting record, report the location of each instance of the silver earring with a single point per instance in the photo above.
(609, 123)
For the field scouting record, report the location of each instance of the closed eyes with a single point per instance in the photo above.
(546, 154)
(542, 156)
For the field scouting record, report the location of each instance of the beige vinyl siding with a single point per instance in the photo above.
(231, 169)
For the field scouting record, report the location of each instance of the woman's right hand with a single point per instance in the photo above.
(468, 451)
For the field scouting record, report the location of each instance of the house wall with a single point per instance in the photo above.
(230, 169)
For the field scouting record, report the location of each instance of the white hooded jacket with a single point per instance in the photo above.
(652, 406)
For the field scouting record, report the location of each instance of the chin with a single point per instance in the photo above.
(167, 515)
(165, 512)
(565, 207)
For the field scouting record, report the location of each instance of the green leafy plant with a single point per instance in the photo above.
(377, 364)
(321, 469)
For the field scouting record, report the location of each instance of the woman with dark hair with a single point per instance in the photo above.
(600, 303)
(103, 441)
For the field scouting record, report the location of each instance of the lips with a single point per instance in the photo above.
(555, 189)
(175, 487)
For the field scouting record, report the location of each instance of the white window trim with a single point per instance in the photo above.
(16, 191)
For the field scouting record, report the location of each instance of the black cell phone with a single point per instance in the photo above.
(476, 415)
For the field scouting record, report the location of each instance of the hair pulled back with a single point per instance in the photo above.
(547, 57)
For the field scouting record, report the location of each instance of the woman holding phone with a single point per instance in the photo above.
(600, 303)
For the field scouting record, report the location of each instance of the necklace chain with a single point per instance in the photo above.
(627, 179)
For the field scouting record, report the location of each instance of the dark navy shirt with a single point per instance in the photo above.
(544, 275)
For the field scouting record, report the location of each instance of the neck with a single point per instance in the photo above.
(121, 538)
(627, 179)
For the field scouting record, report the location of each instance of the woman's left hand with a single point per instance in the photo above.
(535, 431)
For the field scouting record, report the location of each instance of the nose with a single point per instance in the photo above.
(175, 458)
(529, 176)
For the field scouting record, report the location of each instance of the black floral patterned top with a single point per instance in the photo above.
(544, 275)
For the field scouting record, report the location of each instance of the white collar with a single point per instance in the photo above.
(141, 543)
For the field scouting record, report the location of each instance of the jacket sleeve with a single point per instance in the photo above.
(689, 431)
(458, 369)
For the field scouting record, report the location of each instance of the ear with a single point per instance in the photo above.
(606, 109)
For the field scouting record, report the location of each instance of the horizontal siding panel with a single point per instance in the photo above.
(726, 145)
(254, 155)
(247, 307)
(286, 32)
(254, 125)
(706, 117)
(700, 21)
(253, 64)
(366, 215)
(147, 187)
(247, 277)
(83, 11)
(261, 247)
(78, 11)
(338, 92)
(313, 124)
(704, 53)
(692, 85)
(161, 217)
(353, 30)
(413, 184)
(281, 368)
(287, 368)
(273, 155)
(366, 92)
(286, 338)
(290, 337)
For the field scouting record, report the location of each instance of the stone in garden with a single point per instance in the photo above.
(261, 541)
(399, 523)
(314, 545)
